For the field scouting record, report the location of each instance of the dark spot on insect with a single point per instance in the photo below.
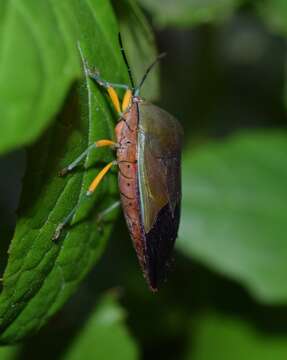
(129, 166)
(128, 184)
(130, 204)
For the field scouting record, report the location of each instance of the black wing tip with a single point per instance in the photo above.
(153, 281)
(160, 243)
(153, 289)
(157, 277)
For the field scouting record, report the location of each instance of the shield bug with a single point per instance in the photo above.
(148, 149)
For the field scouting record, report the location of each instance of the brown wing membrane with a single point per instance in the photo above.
(159, 153)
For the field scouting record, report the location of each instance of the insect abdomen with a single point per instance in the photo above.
(126, 133)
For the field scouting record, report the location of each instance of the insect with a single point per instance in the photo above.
(148, 156)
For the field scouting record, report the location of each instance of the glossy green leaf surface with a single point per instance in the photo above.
(104, 336)
(39, 62)
(42, 274)
(234, 211)
(222, 337)
(189, 12)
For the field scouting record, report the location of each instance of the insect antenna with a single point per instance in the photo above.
(160, 56)
(126, 62)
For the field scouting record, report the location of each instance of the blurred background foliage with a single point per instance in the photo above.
(225, 79)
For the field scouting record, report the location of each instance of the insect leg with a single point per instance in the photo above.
(99, 177)
(65, 222)
(127, 100)
(97, 144)
(91, 189)
(106, 84)
(110, 87)
(102, 214)
(100, 217)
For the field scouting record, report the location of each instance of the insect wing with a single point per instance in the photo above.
(159, 174)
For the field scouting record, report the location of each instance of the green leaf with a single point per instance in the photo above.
(9, 352)
(234, 211)
(189, 12)
(222, 337)
(39, 62)
(139, 44)
(104, 336)
(42, 274)
(274, 13)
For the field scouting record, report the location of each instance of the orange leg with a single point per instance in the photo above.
(100, 177)
(110, 87)
(90, 191)
(120, 108)
(127, 100)
(115, 99)
(97, 144)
